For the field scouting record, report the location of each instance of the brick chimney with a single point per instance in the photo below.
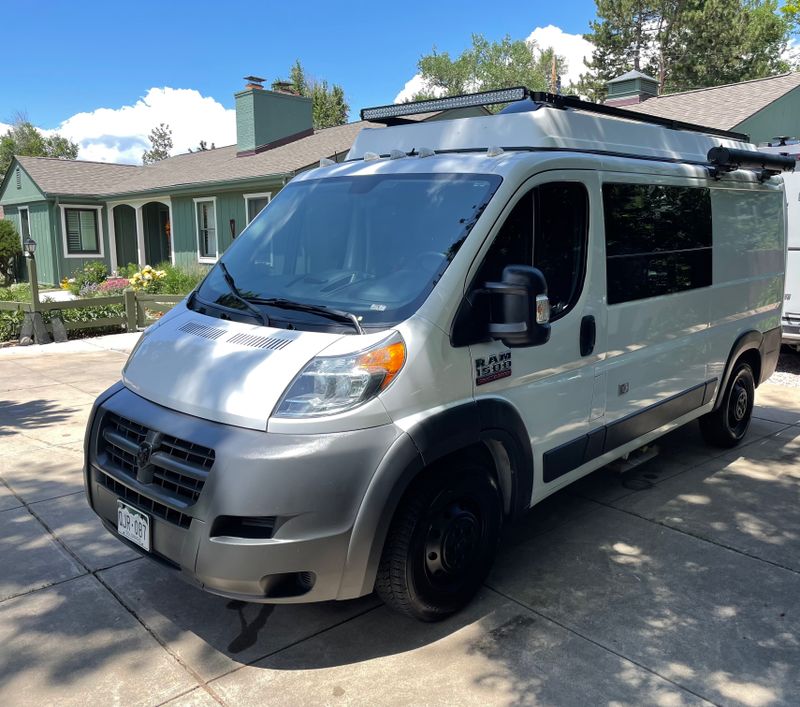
(631, 88)
(267, 119)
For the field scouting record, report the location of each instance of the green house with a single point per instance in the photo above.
(186, 209)
(761, 108)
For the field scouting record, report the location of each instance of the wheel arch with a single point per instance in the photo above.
(492, 424)
(748, 345)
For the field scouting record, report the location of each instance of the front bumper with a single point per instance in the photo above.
(790, 330)
(304, 490)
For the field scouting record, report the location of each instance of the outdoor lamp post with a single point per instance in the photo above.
(29, 246)
(33, 327)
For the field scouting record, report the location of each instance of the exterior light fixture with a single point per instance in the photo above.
(29, 246)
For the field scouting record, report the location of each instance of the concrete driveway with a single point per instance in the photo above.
(676, 584)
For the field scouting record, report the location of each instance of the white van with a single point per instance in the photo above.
(408, 349)
(791, 298)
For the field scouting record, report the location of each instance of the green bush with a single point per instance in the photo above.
(178, 281)
(10, 248)
(90, 274)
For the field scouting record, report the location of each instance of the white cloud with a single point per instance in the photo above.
(413, 86)
(573, 47)
(4, 128)
(120, 134)
(792, 53)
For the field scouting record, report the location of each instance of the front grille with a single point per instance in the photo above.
(176, 470)
(146, 504)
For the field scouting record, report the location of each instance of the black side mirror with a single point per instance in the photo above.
(520, 309)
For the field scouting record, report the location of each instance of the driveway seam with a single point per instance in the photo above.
(94, 573)
(682, 531)
(601, 646)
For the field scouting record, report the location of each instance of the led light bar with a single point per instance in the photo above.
(484, 98)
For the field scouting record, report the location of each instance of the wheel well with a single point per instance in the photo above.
(753, 358)
(491, 453)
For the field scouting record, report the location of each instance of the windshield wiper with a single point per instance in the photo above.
(261, 316)
(338, 314)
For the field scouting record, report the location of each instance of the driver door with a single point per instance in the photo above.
(553, 223)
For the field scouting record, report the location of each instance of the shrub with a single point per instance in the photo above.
(90, 274)
(179, 281)
(166, 279)
(10, 248)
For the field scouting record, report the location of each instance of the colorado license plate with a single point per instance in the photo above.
(133, 525)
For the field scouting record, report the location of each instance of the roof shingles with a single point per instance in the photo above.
(76, 177)
(722, 107)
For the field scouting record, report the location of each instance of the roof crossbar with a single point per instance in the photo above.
(393, 114)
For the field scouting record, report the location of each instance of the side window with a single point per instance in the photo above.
(658, 240)
(548, 228)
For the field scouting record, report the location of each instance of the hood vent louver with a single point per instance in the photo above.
(207, 332)
(259, 342)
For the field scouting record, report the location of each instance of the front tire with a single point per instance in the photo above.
(728, 424)
(441, 543)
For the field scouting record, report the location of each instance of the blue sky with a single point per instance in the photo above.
(89, 56)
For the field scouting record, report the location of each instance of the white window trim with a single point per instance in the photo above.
(247, 197)
(100, 234)
(20, 209)
(196, 201)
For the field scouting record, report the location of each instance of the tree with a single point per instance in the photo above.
(328, 103)
(203, 146)
(23, 138)
(160, 144)
(686, 44)
(487, 65)
(9, 249)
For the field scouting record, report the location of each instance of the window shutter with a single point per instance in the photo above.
(73, 231)
(19, 178)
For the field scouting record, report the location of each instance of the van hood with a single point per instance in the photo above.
(219, 370)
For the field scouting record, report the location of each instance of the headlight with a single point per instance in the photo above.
(331, 384)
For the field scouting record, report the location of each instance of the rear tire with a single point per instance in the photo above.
(728, 424)
(441, 543)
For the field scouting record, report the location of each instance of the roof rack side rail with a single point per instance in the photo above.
(572, 102)
(395, 113)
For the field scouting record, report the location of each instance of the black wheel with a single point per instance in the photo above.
(727, 425)
(441, 543)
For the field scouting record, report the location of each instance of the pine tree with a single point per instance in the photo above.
(685, 44)
(329, 105)
(160, 144)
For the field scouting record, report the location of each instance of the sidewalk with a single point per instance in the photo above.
(677, 584)
(122, 343)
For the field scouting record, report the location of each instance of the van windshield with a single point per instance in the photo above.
(373, 246)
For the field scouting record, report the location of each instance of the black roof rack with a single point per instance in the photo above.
(393, 114)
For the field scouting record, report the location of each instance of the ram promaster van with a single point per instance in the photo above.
(791, 297)
(408, 349)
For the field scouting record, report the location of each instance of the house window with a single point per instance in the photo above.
(658, 240)
(82, 232)
(24, 223)
(205, 212)
(255, 203)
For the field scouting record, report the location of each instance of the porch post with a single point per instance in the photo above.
(140, 236)
(112, 238)
(171, 233)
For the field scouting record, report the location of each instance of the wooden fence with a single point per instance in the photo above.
(140, 309)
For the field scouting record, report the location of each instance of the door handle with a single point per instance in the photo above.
(588, 334)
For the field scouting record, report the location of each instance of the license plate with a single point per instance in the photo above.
(133, 525)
